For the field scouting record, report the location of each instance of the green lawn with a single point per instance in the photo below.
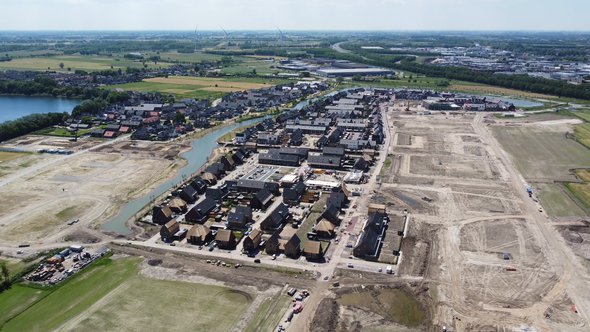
(198, 87)
(269, 314)
(64, 302)
(582, 132)
(74, 62)
(145, 304)
(16, 300)
(556, 201)
(110, 295)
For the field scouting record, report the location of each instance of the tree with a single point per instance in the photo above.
(179, 118)
(61, 65)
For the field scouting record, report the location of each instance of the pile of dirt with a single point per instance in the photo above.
(81, 236)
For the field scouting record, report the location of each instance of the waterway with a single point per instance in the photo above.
(14, 107)
(196, 157)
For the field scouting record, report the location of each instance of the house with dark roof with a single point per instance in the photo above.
(225, 239)
(239, 218)
(331, 214)
(189, 194)
(369, 242)
(333, 151)
(228, 163)
(199, 184)
(325, 161)
(217, 194)
(253, 186)
(161, 215)
(168, 230)
(262, 200)
(273, 157)
(217, 169)
(361, 164)
(296, 138)
(199, 235)
(200, 212)
(292, 195)
(299, 152)
(276, 218)
(252, 241)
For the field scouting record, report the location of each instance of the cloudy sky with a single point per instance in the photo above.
(295, 14)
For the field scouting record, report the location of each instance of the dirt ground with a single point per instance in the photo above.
(48, 191)
(465, 215)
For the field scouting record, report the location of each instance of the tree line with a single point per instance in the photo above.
(517, 82)
(29, 123)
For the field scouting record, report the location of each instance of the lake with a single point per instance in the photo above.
(14, 107)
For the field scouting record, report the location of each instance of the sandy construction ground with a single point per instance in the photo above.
(40, 198)
(469, 209)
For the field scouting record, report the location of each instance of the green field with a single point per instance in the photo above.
(392, 304)
(581, 191)
(542, 155)
(110, 295)
(246, 65)
(187, 57)
(74, 62)
(269, 314)
(582, 132)
(556, 201)
(198, 87)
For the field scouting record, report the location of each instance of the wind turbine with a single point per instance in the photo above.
(226, 36)
(196, 37)
(281, 36)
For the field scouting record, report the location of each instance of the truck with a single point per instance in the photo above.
(389, 269)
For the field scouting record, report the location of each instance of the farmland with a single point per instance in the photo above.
(556, 201)
(79, 62)
(542, 153)
(111, 295)
(546, 156)
(197, 87)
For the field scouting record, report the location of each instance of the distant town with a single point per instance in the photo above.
(294, 181)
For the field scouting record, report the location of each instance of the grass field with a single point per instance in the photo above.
(584, 115)
(541, 154)
(81, 62)
(583, 174)
(393, 304)
(173, 306)
(16, 300)
(494, 90)
(197, 87)
(556, 201)
(269, 314)
(582, 132)
(8, 156)
(581, 191)
(111, 296)
(245, 65)
(188, 57)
